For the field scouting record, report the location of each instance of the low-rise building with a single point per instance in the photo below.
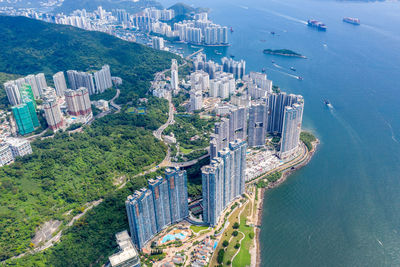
(127, 256)
(19, 147)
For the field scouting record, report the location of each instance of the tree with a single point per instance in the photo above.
(236, 225)
(225, 243)
(235, 233)
(221, 254)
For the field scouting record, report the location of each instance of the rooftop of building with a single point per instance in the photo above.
(127, 252)
(16, 141)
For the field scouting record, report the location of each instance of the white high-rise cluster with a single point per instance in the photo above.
(223, 85)
(13, 88)
(258, 86)
(200, 80)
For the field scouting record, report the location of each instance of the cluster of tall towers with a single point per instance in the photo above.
(96, 82)
(23, 92)
(278, 113)
(223, 180)
(230, 128)
(152, 209)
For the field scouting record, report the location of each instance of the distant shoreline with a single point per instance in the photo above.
(285, 175)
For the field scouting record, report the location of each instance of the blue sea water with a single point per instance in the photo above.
(343, 209)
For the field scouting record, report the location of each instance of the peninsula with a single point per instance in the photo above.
(283, 52)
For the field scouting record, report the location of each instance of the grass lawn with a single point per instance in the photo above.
(197, 229)
(243, 258)
(131, 110)
(230, 250)
(185, 150)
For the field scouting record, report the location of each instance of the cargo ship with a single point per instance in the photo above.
(353, 21)
(317, 24)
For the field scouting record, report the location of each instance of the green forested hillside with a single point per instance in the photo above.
(32, 46)
(67, 171)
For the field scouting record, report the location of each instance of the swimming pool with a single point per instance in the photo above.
(169, 237)
(215, 245)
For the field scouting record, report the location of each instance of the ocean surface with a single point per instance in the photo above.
(343, 208)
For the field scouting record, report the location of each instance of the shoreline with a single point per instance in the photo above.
(260, 205)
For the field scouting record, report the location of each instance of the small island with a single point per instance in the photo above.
(283, 52)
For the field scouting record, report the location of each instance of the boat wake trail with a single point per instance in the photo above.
(244, 7)
(380, 31)
(285, 73)
(283, 16)
(391, 130)
(353, 134)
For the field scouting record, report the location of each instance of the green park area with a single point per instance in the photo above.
(197, 229)
(233, 248)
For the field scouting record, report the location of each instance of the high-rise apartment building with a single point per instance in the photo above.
(222, 85)
(78, 102)
(102, 79)
(277, 104)
(216, 35)
(25, 117)
(122, 16)
(230, 128)
(237, 68)
(177, 183)
(151, 210)
(12, 92)
(261, 81)
(237, 124)
(212, 188)
(200, 78)
(291, 129)
(26, 94)
(40, 82)
(238, 165)
(158, 43)
(223, 180)
(160, 190)
(78, 79)
(49, 94)
(258, 120)
(174, 75)
(141, 217)
(53, 114)
(196, 100)
(32, 82)
(60, 83)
